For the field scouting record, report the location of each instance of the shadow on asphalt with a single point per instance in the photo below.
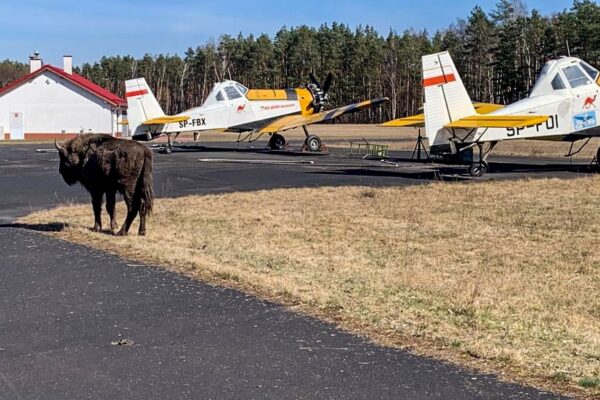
(433, 175)
(460, 174)
(49, 227)
(552, 167)
(229, 149)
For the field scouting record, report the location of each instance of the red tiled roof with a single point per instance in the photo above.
(74, 78)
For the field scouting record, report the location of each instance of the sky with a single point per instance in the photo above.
(90, 29)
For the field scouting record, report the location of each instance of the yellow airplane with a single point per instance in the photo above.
(231, 107)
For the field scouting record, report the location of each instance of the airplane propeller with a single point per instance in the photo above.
(319, 90)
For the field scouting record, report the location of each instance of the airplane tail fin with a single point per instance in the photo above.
(142, 106)
(446, 98)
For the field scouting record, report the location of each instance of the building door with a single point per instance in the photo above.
(16, 126)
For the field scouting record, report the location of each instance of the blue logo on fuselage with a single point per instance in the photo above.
(584, 120)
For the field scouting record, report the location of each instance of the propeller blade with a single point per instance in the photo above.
(327, 83)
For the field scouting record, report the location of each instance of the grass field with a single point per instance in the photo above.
(502, 276)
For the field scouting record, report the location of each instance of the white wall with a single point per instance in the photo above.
(52, 104)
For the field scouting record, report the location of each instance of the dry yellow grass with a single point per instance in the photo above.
(499, 275)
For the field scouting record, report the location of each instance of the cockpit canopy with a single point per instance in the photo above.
(563, 74)
(226, 90)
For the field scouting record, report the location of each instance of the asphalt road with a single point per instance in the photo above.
(64, 306)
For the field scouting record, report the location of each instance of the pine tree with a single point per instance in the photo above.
(498, 55)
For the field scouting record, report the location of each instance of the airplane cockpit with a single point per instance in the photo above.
(564, 74)
(227, 90)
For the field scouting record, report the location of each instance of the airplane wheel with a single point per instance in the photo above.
(313, 143)
(477, 169)
(277, 142)
(166, 149)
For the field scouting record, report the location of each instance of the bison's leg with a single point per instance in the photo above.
(97, 204)
(111, 209)
(133, 206)
(143, 212)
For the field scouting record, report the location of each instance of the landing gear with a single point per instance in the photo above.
(312, 142)
(168, 148)
(479, 168)
(277, 142)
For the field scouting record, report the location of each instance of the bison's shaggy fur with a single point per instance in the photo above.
(106, 165)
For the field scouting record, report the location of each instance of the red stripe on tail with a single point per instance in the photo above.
(439, 80)
(137, 93)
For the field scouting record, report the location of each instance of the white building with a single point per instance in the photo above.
(51, 102)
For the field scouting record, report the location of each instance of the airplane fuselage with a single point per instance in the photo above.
(566, 92)
(569, 118)
(231, 109)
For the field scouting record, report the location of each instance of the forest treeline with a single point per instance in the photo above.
(498, 54)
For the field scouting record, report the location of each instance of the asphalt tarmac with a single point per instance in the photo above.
(79, 323)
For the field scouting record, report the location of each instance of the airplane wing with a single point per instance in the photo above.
(294, 121)
(486, 108)
(418, 121)
(498, 121)
(166, 119)
(415, 121)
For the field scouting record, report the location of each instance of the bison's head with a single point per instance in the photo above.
(69, 164)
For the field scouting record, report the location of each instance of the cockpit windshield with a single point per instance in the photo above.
(243, 89)
(575, 76)
(592, 72)
(232, 92)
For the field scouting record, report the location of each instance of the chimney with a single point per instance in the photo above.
(68, 64)
(35, 62)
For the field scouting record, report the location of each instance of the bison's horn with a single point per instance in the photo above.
(60, 149)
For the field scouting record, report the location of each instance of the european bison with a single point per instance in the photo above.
(103, 164)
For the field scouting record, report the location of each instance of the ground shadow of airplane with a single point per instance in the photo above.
(293, 151)
(457, 173)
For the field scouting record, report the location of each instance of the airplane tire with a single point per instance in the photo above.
(166, 149)
(277, 142)
(313, 143)
(477, 169)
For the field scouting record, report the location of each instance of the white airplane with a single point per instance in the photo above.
(561, 107)
(231, 107)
